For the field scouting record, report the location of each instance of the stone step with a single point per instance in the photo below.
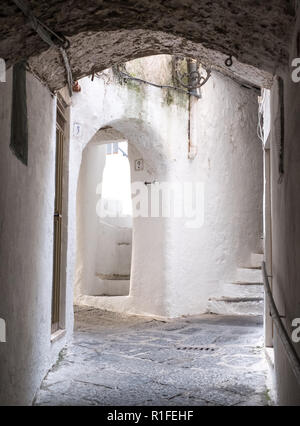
(256, 260)
(113, 285)
(230, 290)
(245, 283)
(113, 277)
(236, 306)
(249, 276)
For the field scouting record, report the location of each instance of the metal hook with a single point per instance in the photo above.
(229, 61)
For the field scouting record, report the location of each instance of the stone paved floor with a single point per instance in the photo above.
(128, 360)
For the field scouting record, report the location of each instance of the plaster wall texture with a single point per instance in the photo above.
(285, 224)
(176, 269)
(114, 250)
(26, 247)
(170, 279)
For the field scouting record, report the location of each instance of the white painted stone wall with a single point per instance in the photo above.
(285, 223)
(176, 269)
(94, 157)
(26, 247)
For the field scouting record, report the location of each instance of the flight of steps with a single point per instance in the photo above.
(244, 296)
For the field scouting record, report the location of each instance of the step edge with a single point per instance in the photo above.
(236, 299)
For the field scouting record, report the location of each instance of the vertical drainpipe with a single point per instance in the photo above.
(192, 67)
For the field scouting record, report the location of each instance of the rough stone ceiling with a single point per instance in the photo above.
(104, 32)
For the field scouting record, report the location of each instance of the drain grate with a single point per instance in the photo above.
(196, 348)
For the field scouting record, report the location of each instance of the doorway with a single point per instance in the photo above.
(104, 220)
(61, 121)
(114, 209)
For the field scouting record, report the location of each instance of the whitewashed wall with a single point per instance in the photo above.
(175, 269)
(26, 247)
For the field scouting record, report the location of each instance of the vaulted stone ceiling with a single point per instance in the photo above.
(104, 32)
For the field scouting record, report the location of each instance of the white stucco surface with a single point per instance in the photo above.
(182, 267)
(26, 247)
(176, 269)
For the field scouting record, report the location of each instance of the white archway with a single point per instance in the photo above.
(147, 283)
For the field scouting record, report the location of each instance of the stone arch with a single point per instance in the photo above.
(116, 47)
(108, 32)
(147, 284)
(143, 138)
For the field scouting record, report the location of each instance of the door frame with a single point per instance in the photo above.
(58, 299)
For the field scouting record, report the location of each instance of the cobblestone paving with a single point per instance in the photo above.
(127, 360)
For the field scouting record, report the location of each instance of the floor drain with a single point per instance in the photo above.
(195, 348)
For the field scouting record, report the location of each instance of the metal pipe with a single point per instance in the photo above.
(285, 339)
(193, 74)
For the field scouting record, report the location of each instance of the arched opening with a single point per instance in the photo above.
(119, 267)
(179, 142)
(104, 220)
(114, 210)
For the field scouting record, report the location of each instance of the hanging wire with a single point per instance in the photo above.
(122, 73)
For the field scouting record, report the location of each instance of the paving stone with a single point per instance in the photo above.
(127, 360)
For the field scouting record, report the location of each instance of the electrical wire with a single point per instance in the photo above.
(124, 75)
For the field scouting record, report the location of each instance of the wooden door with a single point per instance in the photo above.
(58, 215)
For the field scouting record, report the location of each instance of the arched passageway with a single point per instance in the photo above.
(164, 278)
(148, 255)
(263, 39)
(168, 258)
(104, 221)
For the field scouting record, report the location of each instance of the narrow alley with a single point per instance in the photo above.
(120, 360)
(149, 203)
